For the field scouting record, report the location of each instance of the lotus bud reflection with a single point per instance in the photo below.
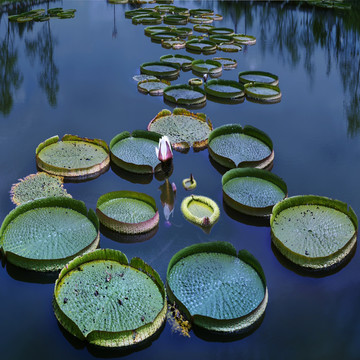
(164, 152)
(167, 197)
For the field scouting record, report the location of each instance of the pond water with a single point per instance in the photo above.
(75, 76)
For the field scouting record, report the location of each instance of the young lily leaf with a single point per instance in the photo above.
(184, 95)
(109, 302)
(184, 129)
(258, 77)
(252, 191)
(127, 212)
(314, 232)
(217, 289)
(226, 89)
(45, 234)
(196, 82)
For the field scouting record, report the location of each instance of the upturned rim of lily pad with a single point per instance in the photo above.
(106, 338)
(196, 66)
(222, 326)
(153, 92)
(140, 11)
(183, 32)
(83, 173)
(201, 19)
(229, 47)
(163, 35)
(184, 65)
(262, 97)
(149, 30)
(176, 19)
(151, 18)
(221, 31)
(183, 101)
(203, 27)
(124, 227)
(225, 95)
(246, 130)
(184, 146)
(254, 173)
(135, 168)
(251, 39)
(219, 39)
(232, 63)
(196, 82)
(275, 78)
(175, 44)
(315, 263)
(191, 45)
(46, 265)
(201, 11)
(161, 74)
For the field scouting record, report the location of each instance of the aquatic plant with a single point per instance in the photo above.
(263, 93)
(40, 15)
(227, 89)
(182, 60)
(226, 47)
(219, 39)
(195, 82)
(150, 18)
(164, 152)
(184, 95)
(243, 39)
(226, 63)
(221, 31)
(175, 19)
(159, 69)
(175, 44)
(258, 77)
(203, 27)
(198, 46)
(210, 67)
(189, 183)
(153, 86)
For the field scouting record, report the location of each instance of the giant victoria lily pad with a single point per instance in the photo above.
(314, 232)
(211, 67)
(252, 191)
(235, 146)
(183, 128)
(73, 157)
(185, 95)
(136, 152)
(151, 18)
(226, 62)
(228, 47)
(108, 301)
(221, 31)
(198, 46)
(227, 89)
(182, 60)
(153, 86)
(259, 77)
(127, 212)
(263, 93)
(176, 19)
(45, 234)
(216, 288)
(159, 69)
(243, 39)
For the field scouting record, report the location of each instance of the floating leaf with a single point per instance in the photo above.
(219, 39)
(184, 129)
(227, 89)
(45, 234)
(173, 44)
(210, 67)
(109, 302)
(243, 39)
(144, 77)
(37, 186)
(200, 12)
(196, 82)
(314, 232)
(163, 35)
(252, 191)
(259, 77)
(157, 68)
(127, 212)
(204, 46)
(153, 87)
(155, 29)
(141, 11)
(189, 183)
(182, 60)
(201, 19)
(151, 18)
(73, 157)
(203, 28)
(216, 288)
(226, 63)
(233, 146)
(176, 19)
(262, 92)
(184, 94)
(226, 47)
(221, 31)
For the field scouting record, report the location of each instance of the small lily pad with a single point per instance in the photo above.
(262, 92)
(176, 19)
(221, 31)
(144, 77)
(127, 212)
(235, 146)
(45, 234)
(37, 186)
(228, 47)
(226, 63)
(196, 82)
(73, 157)
(157, 68)
(200, 210)
(184, 95)
(259, 77)
(108, 301)
(198, 46)
(243, 39)
(314, 232)
(227, 89)
(136, 152)
(182, 60)
(189, 183)
(184, 129)
(216, 288)
(210, 67)
(252, 191)
(153, 87)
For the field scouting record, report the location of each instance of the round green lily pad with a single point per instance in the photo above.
(127, 212)
(151, 18)
(189, 183)
(108, 301)
(221, 31)
(235, 146)
(153, 87)
(136, 152)
(173, 44)
(243, 39)
(262, 92)
(141, 11)
(163, 35)
(183, 32)
(160, 69)
(211, 67)
(219, 39)
(183, 128)
(314, 232)
(200, 210)
(252, 191)
(182, 60)
(199, 12)
(216, 288)
(201, 19)
(144, 77)
(150, 30)
(196, 82)
(204, 46)
(228, 47)
(227, 89)
(37, 186)
(73, 157)
(176, 19)
(184, 95)
(259, 77)
(226, 63)
(203, 27)
(45, 234)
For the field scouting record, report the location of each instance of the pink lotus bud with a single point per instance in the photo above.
(164, 152)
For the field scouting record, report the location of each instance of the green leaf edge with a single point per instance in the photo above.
(171, 73)
(196, 66)
(184, 66)
(199, 100)
(262, 97)
(216, 29)
(224, 95)
(265, 73)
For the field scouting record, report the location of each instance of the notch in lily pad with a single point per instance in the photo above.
(226, 63)
(107, 301)
(211, 67)
(201, 46)
(73, 157)
(185, 95)
(314, 232)
(127, 212)
(51, 231)
(253, 191)
(182, 60)
(235, 146)
(235, 282)
(153, 87)
(183, 128)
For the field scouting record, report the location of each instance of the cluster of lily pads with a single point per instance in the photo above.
(43, 15)
(330, 4)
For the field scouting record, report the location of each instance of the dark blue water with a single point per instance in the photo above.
(75, 76)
